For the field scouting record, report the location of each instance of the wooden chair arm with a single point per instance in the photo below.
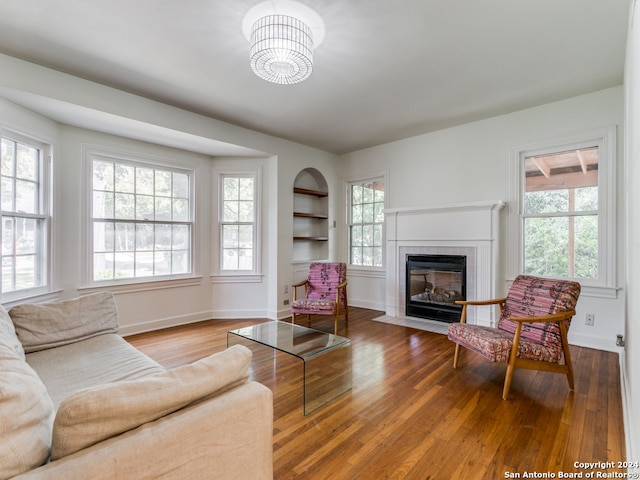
(466, 303)
(493, 301)
(554, 317)
(342, 284)
(304, 284)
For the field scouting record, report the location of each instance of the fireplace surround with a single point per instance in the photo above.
(471, 230)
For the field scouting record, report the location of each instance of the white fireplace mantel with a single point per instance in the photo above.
(470, 229)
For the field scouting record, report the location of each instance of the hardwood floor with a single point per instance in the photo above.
(410, 415)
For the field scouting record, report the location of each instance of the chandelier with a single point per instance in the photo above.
(282, 35)
(281, 49)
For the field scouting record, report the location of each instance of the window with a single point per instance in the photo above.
(366, 222)
(25, 218)
(560, 218)
(566, 209)
(142, 220)
(238, 222)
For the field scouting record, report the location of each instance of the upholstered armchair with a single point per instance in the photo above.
(532, 331)
(325, 292)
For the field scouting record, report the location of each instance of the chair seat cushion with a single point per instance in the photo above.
(313, 306)
(495, 345)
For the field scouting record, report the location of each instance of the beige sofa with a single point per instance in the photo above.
(78, 402)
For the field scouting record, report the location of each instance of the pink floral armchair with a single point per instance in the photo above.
(325, 293)
(532, 330)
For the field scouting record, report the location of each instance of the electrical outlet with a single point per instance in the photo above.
(590, 319)
(286, 302)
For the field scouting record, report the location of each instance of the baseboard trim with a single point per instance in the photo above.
(627, 419)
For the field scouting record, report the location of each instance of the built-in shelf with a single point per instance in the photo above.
(315, 239)
(321, 216)
(310, 216)
(306, 191)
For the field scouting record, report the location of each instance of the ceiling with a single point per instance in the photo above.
(386, 70)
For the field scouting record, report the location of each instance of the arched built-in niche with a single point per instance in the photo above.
(310, 216)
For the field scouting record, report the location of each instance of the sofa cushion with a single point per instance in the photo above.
(48, 325)
(89, 416)
(8, 333)
(26, 416)
(97, 360)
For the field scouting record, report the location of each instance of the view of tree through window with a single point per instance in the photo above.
(23, 217)
(141, 221)
(366, 223)
(560, 214)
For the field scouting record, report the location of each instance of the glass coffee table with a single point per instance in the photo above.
(326, 357)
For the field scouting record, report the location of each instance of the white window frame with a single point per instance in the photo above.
(242, 276)
(44, 254)
(605, 140)
(92, 153)
(376, 177)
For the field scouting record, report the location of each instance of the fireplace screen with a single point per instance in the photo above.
(434, 283)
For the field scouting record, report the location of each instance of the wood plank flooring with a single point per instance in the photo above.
(410, 415)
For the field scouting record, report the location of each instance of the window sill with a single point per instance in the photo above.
(236, 278)
(143, 285)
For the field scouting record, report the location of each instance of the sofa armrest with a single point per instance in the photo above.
(224, 437)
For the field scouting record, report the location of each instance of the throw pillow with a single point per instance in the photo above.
(49, 325)
(92, 415)
(26, 416)
(8, 333)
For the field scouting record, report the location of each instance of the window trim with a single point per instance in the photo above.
(91, 152)
(373, 177)
(605, 140)
(242, 276)
(46, 202)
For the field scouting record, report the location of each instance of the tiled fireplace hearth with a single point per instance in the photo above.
(469, 229)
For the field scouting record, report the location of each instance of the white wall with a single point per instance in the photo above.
(631, 357)
(470, 163)
(118, 120)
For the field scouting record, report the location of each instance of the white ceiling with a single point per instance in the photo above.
(386, 69)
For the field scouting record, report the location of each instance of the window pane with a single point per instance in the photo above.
(163, 208)
(8, 156)
(548, 201)
(103, 176)
(27, 162)
(586, 199)
(230, 259)
(245, 211)
(124, 265)
(180, 262)
(8, 230)
(144, 181)
(144, 207)
(180, 210)
(25, 272)
(8, 194)
(163, 183)
(26, 236)
(231, 188)
(125, 206)
(181, 238)
(124, 237)
(26, 197)
(586, 247)
(103, 204)
(180, 185)
(144, 237)
(245, 236)
(546, 246)
(229, 236)
(125, 178)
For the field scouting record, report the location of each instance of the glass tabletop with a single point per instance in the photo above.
(294, 339)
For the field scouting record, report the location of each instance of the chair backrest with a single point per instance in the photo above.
(534, 296)
(323, 278)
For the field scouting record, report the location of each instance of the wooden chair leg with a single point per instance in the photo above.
(513, 357)
(507, 381)
(456, 356)
(293, 318)
(567, 354)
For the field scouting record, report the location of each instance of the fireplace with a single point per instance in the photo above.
(433, 284)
